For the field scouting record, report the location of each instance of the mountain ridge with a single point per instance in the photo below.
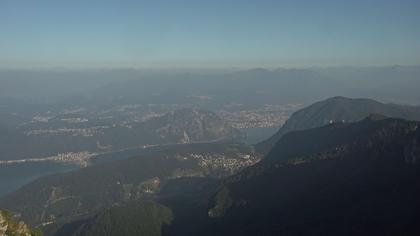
(338, 109)
(326, 188)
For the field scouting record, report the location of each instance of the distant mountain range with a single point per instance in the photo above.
(338, 109)
(254, 87)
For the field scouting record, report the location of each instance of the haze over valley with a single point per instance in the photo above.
(170, 118)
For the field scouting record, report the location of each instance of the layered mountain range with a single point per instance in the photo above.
(342, 179)
(329, 172)
(359, 179)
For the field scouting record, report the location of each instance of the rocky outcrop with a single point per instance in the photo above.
(9, 226)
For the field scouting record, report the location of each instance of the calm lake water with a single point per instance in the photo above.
(256, 135)
(14, 176)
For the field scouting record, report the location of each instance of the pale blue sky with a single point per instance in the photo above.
(211, 33)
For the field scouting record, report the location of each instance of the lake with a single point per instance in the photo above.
(14, 176)
(256, 135)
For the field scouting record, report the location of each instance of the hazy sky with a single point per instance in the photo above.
(208, 33)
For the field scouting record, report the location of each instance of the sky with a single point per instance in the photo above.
(208, 33)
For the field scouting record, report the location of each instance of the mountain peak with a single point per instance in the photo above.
(339, 109)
